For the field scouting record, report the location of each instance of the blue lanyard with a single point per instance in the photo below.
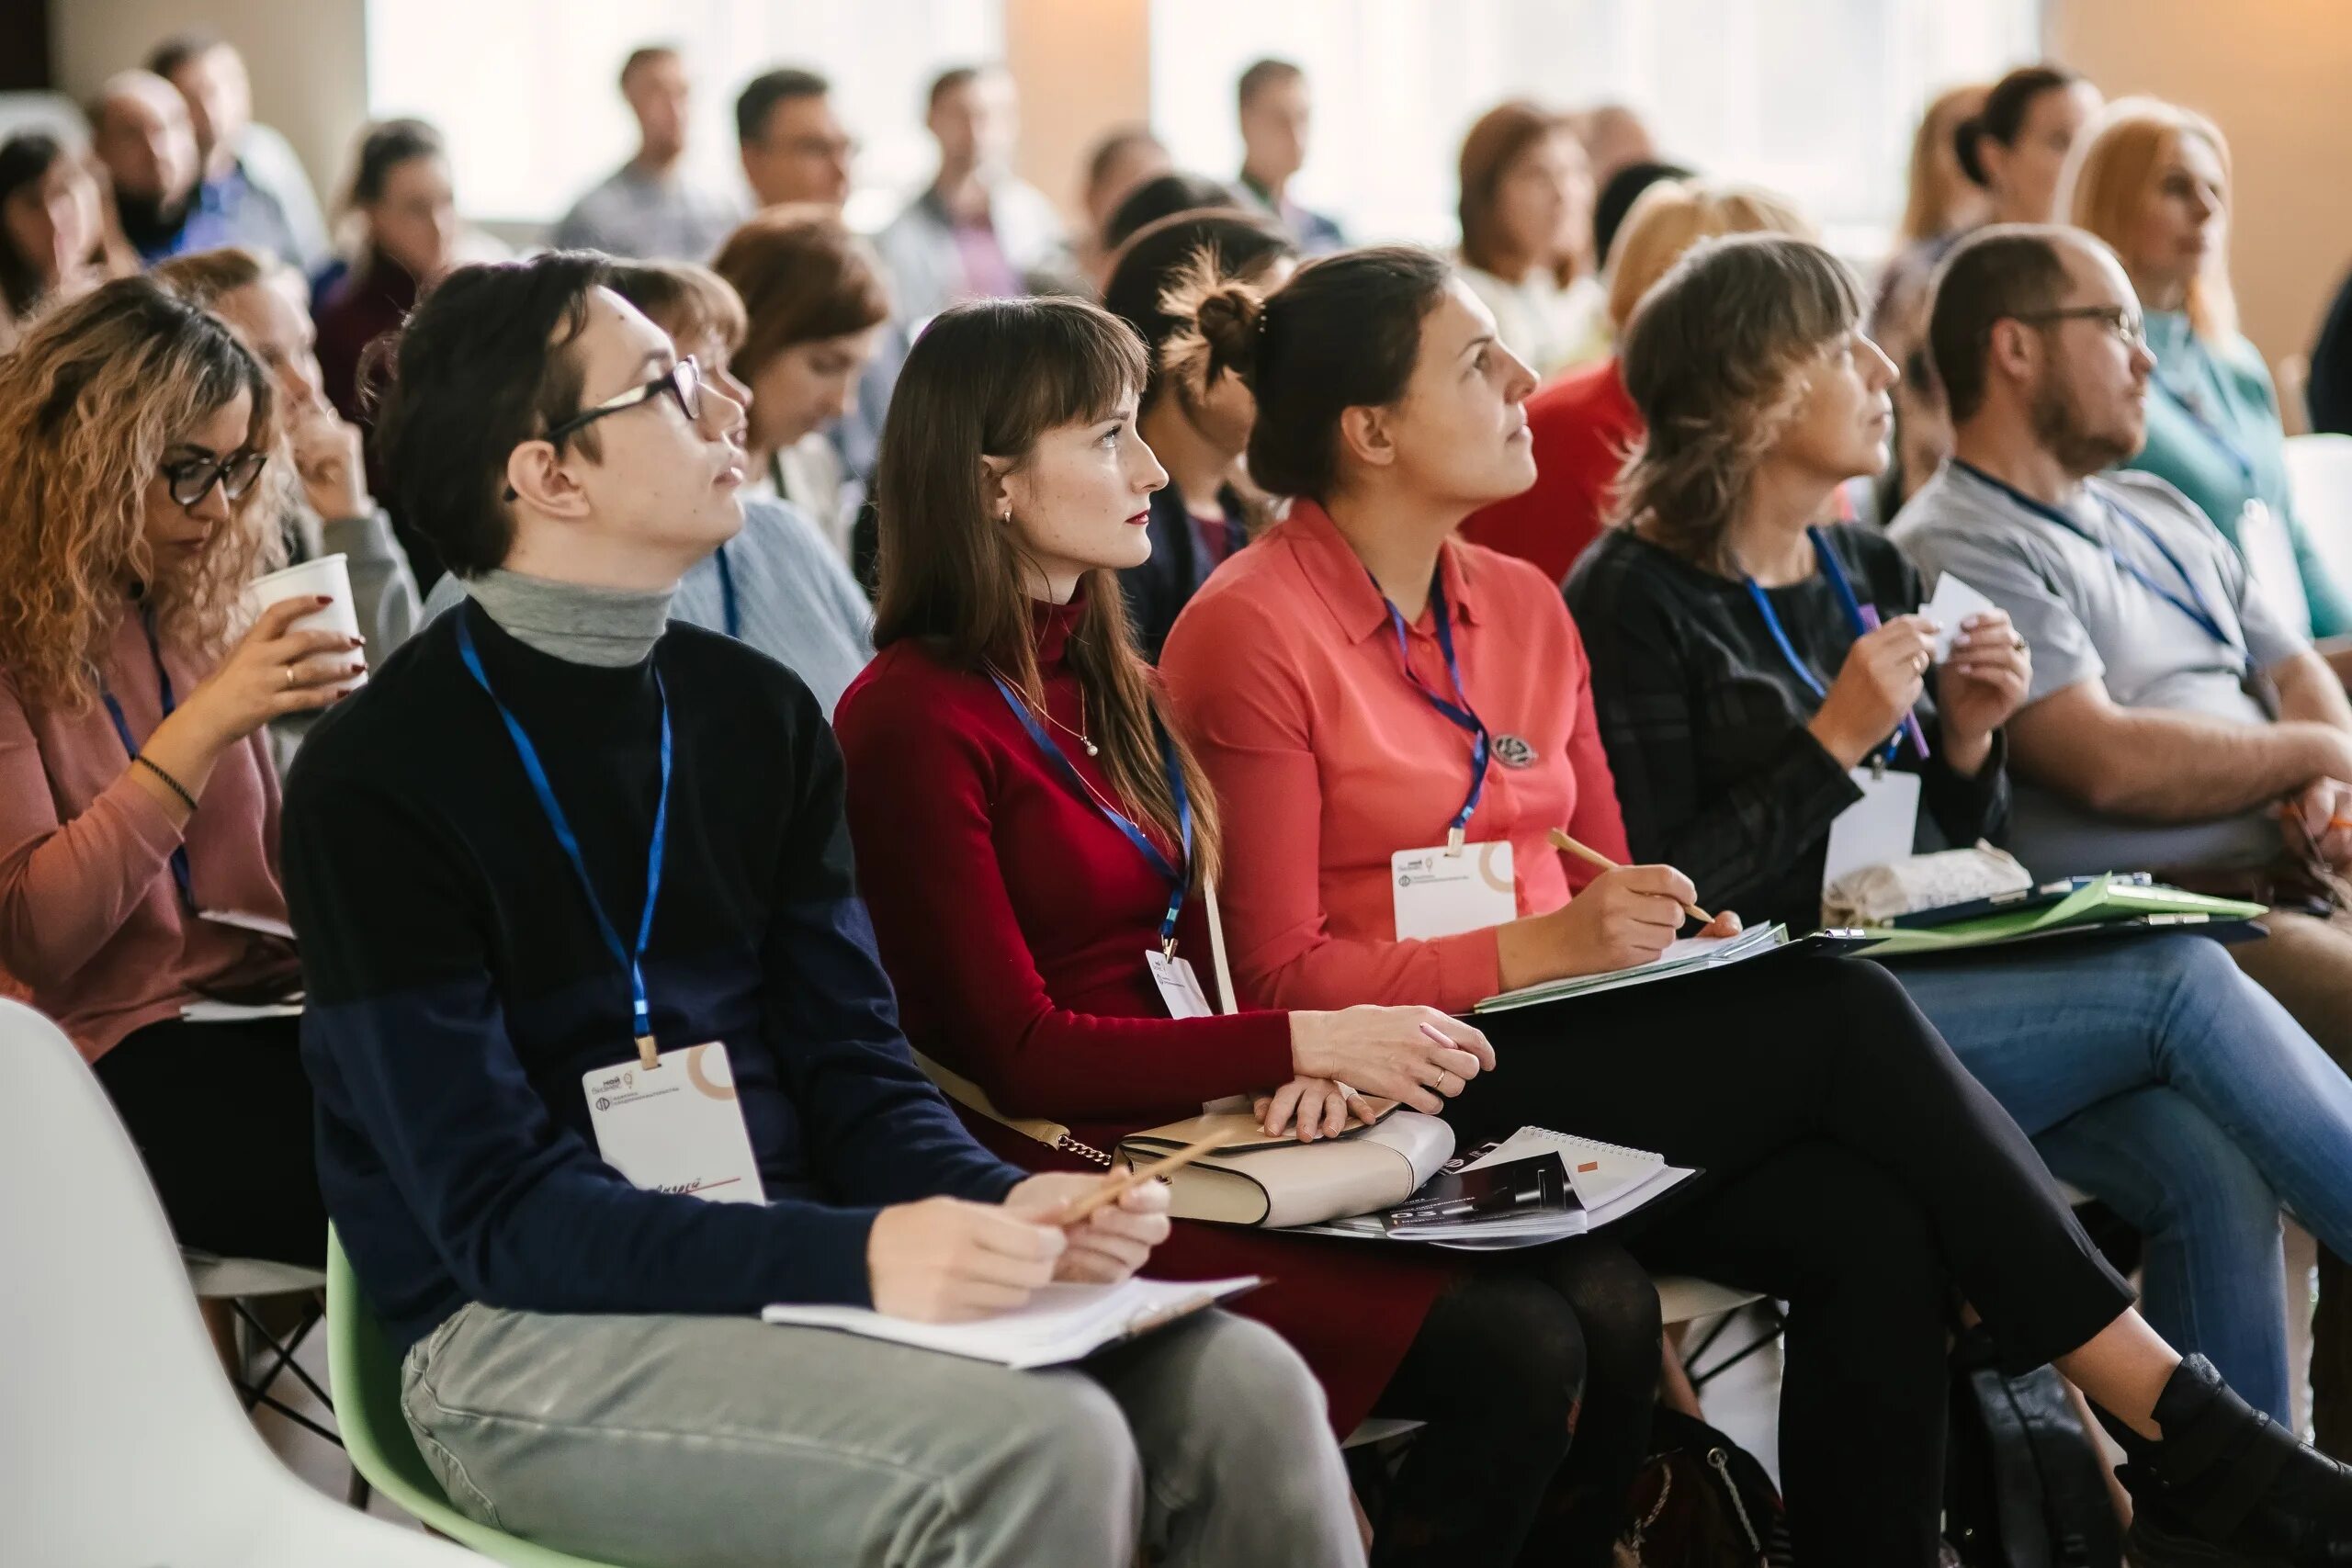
(1119, 819)
(632, 960)
(2210, 429)
(2194, 606)
(1458, 711)
(729, 618)
(1858, 618)
(131, 748)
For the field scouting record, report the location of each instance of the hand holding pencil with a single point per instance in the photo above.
(1626, 916)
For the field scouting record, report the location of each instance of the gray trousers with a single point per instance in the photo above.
(721, 1443)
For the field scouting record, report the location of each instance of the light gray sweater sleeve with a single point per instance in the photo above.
(383, 589)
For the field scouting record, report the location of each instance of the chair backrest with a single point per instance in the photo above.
(365, 1376)
(2319, 475)
(119, 1431)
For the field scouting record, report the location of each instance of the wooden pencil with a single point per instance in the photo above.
(1121, 1185)
(1560, 839)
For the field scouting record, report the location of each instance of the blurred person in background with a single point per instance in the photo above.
(817, 309)
(140, 130)
(647, 208)
(2015, 148)
(2152, 180)
(1615, 137)
(251, 178)
(1275, 114)
(1165, 196)
(1526, 212)
(1124, 158)
(409, 236)
(1205, 511)
(1942, 204)
(979, 230)
(793, 145)
(54, 241)
(1584, 423)
(1617, 194)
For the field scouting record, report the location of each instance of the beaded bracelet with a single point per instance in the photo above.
(172, 783)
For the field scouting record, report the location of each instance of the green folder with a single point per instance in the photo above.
(2105, 905)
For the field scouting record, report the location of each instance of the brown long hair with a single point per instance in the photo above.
(1496, 142)
(987, 380)
(89, 402)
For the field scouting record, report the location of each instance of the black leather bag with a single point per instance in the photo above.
(1701, 1501)
(2025, 1486)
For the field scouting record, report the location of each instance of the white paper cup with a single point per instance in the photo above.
(328, 576)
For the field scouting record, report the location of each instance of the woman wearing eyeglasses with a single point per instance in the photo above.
(138, 808)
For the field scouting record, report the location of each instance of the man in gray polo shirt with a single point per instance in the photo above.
(2174, 723)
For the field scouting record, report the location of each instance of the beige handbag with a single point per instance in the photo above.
(1263, 1181)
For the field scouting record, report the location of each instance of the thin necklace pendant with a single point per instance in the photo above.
(1091, 748)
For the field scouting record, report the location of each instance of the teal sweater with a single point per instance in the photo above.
(2213, 432)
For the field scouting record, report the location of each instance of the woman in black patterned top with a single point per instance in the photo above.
(1744, 711)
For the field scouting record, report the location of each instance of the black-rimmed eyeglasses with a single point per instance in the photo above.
(2121, 320)
(192, 478)
(682, 381)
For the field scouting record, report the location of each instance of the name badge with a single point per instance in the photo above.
(1876, 830)
(1444, 893)
(2270, 561)
(1180, 988)
(675, 1126)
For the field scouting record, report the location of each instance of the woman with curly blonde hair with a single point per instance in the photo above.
(138, 808)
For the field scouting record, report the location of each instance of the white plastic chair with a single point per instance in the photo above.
(121, 1443)
(2319, 475)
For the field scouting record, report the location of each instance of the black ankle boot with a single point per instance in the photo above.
(2229, 1485)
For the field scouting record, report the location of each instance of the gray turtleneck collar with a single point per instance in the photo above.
(608, 627)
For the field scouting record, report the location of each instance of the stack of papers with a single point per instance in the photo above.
(2108, 903)
(1611, 1182)
(1060, 1324)
(1688, 955)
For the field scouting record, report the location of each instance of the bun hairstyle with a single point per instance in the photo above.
(2003, 116)
(1233, 245)
(1344, 333)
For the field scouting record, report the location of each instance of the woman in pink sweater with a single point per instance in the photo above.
(137, 803)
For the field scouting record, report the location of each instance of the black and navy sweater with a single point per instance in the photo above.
(458, 987)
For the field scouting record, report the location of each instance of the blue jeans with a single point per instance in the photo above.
(2155, 1077)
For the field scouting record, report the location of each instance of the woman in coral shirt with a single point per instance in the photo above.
(1370, 695)
(1019, 808)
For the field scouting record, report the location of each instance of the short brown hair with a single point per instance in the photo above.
(1716, 361)
(1996, 273)
(1263, 75)
(802, 275)
(1500, 136)
(684, 301)
(203, 277)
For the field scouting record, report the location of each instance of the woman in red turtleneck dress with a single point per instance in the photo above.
(1014, 912)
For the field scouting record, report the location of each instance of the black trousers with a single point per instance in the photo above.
(1535, 1373)
(222, 1115)
(1852, 1168)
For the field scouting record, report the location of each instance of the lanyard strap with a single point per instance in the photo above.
(729, 617)
(2194, 606)
(1858, 617)
(631, 959)
(2223, 442)
(180, 874)
(1457, 712)
(1119, 819)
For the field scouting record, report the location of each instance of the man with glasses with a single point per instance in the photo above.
(606, 1061)
(2177, 724)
